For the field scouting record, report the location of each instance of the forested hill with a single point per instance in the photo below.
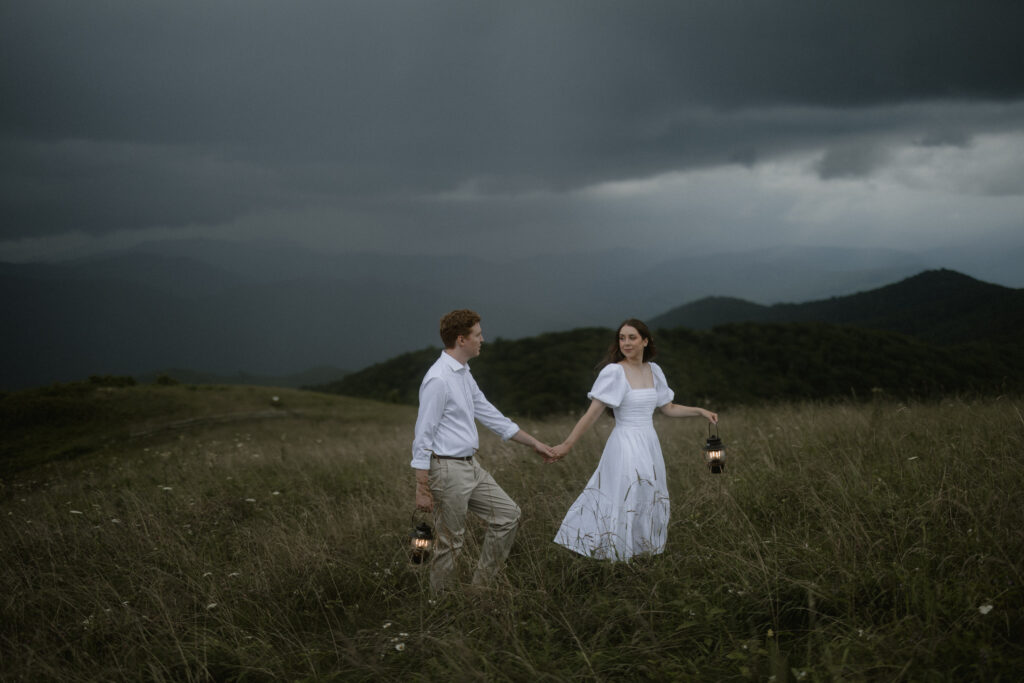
(939, 306)
(731, 364)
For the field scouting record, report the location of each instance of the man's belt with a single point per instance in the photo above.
(451, 457)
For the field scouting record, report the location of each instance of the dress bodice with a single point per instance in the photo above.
(637, 409)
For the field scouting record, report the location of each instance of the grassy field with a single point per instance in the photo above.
(182, 533)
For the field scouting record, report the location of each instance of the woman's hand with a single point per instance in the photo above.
(560, 450)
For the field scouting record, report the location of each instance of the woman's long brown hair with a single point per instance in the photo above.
(614, 353)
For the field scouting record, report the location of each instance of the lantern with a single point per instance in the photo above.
(714, 452)
(421, 540)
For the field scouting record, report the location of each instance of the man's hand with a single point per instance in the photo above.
(546, 452)
(424, 499)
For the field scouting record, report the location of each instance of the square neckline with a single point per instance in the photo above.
(631, 387)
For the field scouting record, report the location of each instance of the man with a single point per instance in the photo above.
(449, 480)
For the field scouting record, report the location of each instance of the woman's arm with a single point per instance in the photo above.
(674, 410)
(585, 423)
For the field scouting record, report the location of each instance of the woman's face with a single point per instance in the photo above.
(631, 343)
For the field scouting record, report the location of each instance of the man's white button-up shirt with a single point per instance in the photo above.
(450, 402)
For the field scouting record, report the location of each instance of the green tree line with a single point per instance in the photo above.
(739, 363)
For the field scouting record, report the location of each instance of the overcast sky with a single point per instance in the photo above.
(511, 127)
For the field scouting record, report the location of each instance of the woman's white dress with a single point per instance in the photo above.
(624, 509)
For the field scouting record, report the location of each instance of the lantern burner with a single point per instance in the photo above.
(421, 542)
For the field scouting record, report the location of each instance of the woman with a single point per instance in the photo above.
(624, 509)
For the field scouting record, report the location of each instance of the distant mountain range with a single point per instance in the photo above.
(282, 314)
(938, 306)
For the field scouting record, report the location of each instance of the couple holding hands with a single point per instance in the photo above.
(624, 509)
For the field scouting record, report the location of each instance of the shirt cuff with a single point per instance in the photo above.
(511, 431)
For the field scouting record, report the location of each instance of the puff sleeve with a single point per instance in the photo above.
(611, 386)
(665, 394)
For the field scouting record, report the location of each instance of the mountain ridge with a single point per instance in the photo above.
(939, 306)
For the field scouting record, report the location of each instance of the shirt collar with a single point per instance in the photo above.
(452, 364)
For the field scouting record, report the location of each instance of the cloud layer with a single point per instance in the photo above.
(529, 125)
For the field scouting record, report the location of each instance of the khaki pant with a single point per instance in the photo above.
(459, 486)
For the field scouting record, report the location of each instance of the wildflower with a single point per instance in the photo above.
(205, 574)
(913, 457)
(387, 624)
(250, 500)
(399, 646)
(234, 574)
(166, 488)
(771, 633)
(115, 520)
(985, 609)
(276, 493)
(211, 605)
(76, 512)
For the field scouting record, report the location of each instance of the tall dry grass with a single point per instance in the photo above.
(859, 542)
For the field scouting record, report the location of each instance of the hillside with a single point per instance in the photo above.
(937, 306)
(66, 421)
(732, 364)
(273, 549)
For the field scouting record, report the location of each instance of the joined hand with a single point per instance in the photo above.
(560, 451)
(546, 452)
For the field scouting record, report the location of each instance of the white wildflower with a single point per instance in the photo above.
(234, 574)
(985, 609)
(76, 512)
(399, 646)
(250, 500)
(211, 605)
(387, 624)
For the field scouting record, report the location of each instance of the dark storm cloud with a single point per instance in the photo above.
(135, 114)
